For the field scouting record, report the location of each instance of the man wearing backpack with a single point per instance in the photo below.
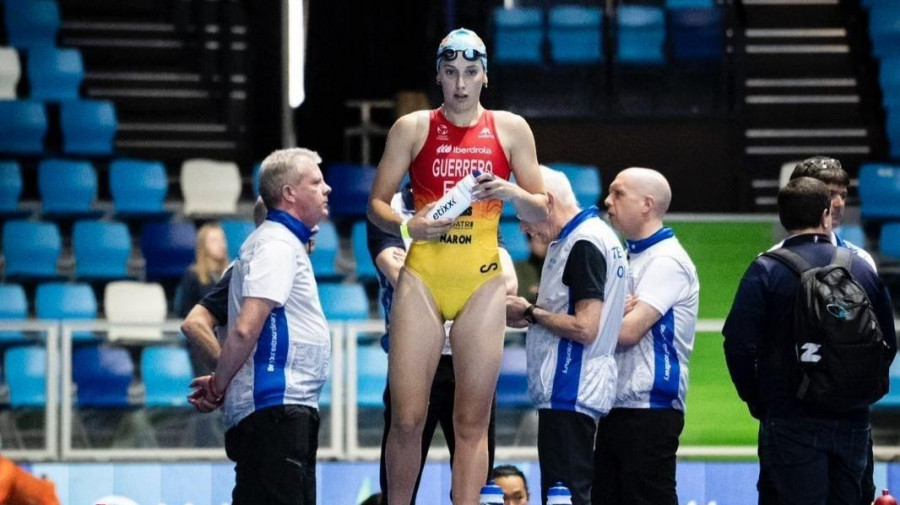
(837, 180)
(784, 339)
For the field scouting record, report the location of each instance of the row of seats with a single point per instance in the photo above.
(140, 303)
(575, 35)
(884, 30)
(87, 126)
(103, 375)
(102, 249)
(53, 73)
(68, 188)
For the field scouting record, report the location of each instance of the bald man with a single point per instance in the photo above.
(634, 457)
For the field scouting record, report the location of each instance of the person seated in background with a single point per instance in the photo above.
(200, 278)
(513, 483)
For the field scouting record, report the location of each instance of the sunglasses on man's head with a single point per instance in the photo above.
(469, 54)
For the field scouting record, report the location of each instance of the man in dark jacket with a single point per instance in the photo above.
(816, 456)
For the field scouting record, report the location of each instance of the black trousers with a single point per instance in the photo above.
(565, 452)
(274, 451)
(440, 412)
(635, 457)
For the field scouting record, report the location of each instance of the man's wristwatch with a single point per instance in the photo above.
(528, 315)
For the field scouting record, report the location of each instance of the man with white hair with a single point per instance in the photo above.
(572, 334)
(275, 357)
(637, 441)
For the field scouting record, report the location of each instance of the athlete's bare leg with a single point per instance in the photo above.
(477, 341)
(416, 341)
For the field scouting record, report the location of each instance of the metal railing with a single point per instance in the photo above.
(339, 439)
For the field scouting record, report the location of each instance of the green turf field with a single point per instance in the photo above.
(721, 251)
(715, 414)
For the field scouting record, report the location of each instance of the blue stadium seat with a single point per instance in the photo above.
(168, 248)
(88, 126)
(884, 29)
(371, 376)
(585, 181)
(324, 257)
(13, 307)
(23, 125)
(697, 34)
(166, 372)
(68, 189)
(350, 187)
(514, 240)
(10, 190)
(889, 244)
(31, 249)
(512, 386)
(138, 189)
(889, 78)
(32, 23)
(576, 35)
(73, 302)
(689, 4)
(892, 129)
(236, 232)
(26, 376)
(101, 250)
(343, 302)
(102, 375)
(853, 234)
(365, 269)
(54, 74)
(518, 35)
(879, 191)
(642, 32)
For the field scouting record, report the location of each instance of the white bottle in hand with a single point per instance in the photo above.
(455, 201)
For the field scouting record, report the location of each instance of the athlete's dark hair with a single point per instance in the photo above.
(801, 203)
(509, 471)
(823, 168)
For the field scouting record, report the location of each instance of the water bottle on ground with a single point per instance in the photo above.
(559, 495)
(491, 494)
(886, 499)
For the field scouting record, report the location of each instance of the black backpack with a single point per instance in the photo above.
(841, 354)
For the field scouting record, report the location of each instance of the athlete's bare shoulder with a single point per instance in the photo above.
(512, 129)
(507, 119)
(411, 126)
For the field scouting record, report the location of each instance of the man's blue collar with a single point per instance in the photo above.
(639, 246)
(300, 230)
(579, 218)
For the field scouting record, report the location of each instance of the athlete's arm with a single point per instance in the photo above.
(509, 273)
(528, 194)
(389, 262)
(403, 138)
